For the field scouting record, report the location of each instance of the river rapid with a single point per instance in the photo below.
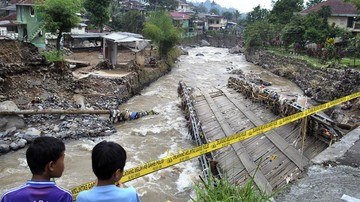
(151, 137)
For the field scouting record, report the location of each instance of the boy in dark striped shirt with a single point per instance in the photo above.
(45, 157)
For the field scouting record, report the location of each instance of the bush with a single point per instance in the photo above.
(52, 56)
(214, 190)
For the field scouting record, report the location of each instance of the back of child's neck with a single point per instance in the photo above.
(105, 182)
(40, 178)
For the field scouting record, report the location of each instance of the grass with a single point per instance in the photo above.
(53, 56)
(350, 62)
(345, 62)
(215, 190)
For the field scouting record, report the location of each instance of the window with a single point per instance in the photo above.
(350, 22)
(32, 12)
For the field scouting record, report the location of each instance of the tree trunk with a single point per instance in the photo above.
(58, 39)
(55, 111)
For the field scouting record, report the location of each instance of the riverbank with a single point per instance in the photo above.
(321, 85)
(29, 82)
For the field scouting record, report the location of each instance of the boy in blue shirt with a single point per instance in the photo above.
(45, 157)
(108, 162)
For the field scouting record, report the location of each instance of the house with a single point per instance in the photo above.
(183, 21)
(135, 42)
(81, 28)
(343, 14)
(31, 28)
(184, 7)
(199, 26)
(8, 26)
(132, 5)
(216, 22)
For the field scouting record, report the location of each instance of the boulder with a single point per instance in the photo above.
(31, 134)
(4, 148)
(10, 121)
(204, 43)
(21, 143)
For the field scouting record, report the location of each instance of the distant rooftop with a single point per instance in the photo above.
(337, 7)
(179, 16)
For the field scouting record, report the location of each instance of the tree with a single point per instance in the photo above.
(201, 8)
(237, 15)
(355, 2)
(284, 10)
(354, 47)
(228, 15)
(99, 12)
(162, 4)
(256, 14)
(214, 11)
(59, 16)
(259, 34)
(294, 32)
(312, 3)
(162, 32)
(131, 21)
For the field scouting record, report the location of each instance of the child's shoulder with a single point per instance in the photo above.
(63, 189)
(15, 189)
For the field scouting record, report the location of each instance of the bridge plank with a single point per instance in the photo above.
(300, 160)
(242, 154)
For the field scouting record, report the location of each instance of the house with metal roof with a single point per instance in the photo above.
(135, 42)
(343, 14)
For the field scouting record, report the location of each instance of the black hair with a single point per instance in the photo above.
(107, 157)
(42, 151)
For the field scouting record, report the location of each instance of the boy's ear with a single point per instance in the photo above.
(50, 166)
(118, 175)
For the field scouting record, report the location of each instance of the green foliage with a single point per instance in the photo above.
(312, 3)
(354, 48)
(162, 32)
(228, 15)
(259, 34)
(284, 10)
(201, 8)
(131, 21)
(214, 11)
(99, 12)
(256, 14)
(237, 15)
(214, 190)
(355, 2)
(53, 56)
(167, 5)
(59, 15)
(294, 32)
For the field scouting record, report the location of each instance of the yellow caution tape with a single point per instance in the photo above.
(156, 165)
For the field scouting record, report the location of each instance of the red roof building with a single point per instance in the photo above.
(343, 14)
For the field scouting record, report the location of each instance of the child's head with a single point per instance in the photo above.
(108, 158)
(46, 154)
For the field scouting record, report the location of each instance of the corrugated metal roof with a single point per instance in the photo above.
(124, 37)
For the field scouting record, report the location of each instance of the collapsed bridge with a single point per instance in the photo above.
(273, 158)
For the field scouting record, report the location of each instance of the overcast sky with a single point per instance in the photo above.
(243, 6)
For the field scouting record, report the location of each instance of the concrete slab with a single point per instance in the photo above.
(333, 176)
(340, 149)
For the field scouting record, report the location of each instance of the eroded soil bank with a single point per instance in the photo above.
(322, 85)
(32, 83)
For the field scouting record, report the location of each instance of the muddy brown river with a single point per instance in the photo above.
(152, 137)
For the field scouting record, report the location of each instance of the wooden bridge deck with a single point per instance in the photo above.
(271, 158)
